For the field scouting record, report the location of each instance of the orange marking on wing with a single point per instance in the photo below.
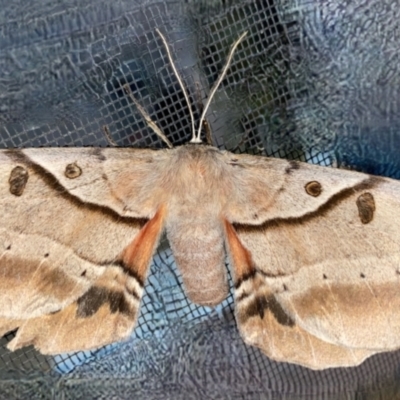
(138, 254)
(240, 256)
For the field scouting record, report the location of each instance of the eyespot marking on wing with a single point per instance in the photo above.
(18, 179)
(366, 207)
(73, 171)
(313, 188)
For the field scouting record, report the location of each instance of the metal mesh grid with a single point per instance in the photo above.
(63, 66)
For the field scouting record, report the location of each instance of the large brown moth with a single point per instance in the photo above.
(315, 251)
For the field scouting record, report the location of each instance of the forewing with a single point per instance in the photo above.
(264, 189)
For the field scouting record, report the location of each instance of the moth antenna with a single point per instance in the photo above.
(180, 82)
(108, 136)
(216, 84)
(208, 132)
(200, 106)
(146, 116)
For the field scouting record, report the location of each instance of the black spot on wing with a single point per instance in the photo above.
(129, 271)
(235, 163)
(261, 304)
(293, 165)
(95, 297)
(98, 152)
(244, 278)
(242, 296)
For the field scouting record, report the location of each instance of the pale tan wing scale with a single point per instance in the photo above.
(78, 228)
(316, 256)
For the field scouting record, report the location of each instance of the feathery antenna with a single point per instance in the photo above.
(180, 81)
(152, 124)
(215, 86)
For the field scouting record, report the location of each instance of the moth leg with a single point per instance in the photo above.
(264, 323)
(107, 312)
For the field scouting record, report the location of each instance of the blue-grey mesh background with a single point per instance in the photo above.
(315, 80)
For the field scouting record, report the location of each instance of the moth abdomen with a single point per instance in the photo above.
(200, 257)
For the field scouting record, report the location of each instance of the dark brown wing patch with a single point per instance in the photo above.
(18, 179)
(366, 207)
(260, 304)
(95, 297)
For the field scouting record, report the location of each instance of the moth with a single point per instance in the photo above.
(315, 251)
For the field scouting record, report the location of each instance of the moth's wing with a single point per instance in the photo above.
(322, 263)
(78, 228)
(264, 322)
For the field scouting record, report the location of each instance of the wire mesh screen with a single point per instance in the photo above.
(313, 80)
